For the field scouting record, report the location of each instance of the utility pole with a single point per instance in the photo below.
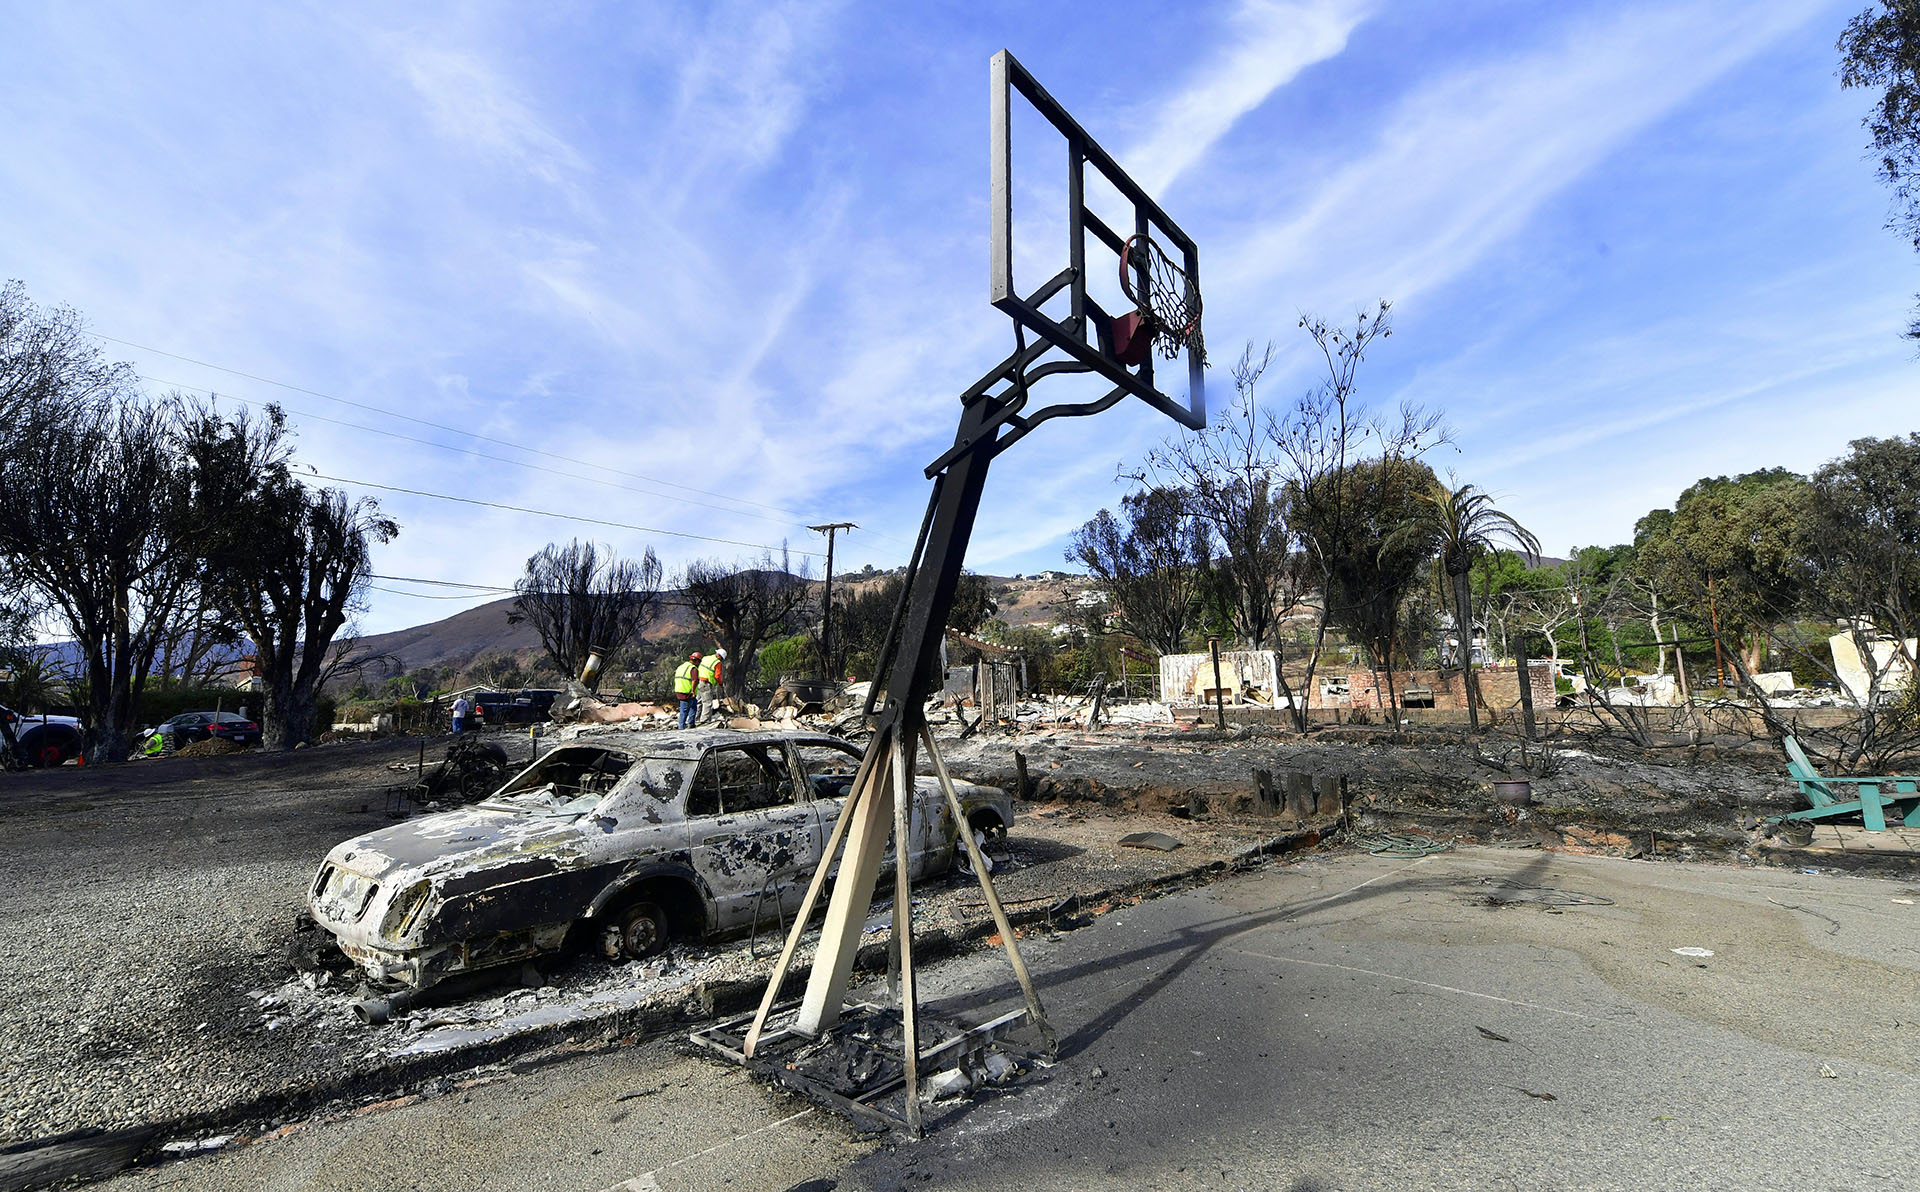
(1713, 618)
(826, 616)
(1586, 659)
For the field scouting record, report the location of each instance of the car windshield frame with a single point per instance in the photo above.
(543, 801)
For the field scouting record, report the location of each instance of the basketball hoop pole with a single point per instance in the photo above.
(899, 723)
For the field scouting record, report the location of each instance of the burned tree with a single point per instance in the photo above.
(1151, 567)
(745, 605)
(1226, 474)
(285, 563)
(96, 524)
(582, 597)
(1327, 442)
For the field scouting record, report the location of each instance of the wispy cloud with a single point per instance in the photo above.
(1266, 46)
(1463, 162)
(467, 101)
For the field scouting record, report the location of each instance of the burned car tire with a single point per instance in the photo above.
(480, 780)
(473, 770)
(643, 930)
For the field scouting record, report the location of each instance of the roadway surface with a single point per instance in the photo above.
(1480, 1019)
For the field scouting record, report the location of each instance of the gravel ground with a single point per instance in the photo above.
(146, 914)
(147, 925)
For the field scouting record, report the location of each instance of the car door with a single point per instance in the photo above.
(755, 839)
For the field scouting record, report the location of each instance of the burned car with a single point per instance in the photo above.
(621, 840)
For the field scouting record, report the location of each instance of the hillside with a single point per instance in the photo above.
(456, 642)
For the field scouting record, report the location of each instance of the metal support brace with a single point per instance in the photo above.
(903, 802)
(863, 780)
(999, 912)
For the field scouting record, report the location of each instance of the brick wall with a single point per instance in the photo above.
(1499, 688)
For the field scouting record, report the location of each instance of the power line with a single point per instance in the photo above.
(596, 521)
(393, 434)
(439, 583)
(442, 426)
(426, 596)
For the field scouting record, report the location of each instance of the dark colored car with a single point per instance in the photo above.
(189, 727)
(514, 707)
(41, 740)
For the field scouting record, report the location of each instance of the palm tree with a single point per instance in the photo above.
(1462, 525)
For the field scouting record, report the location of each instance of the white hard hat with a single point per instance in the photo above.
(722, 653)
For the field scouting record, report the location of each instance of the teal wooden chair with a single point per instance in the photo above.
(1868, 801)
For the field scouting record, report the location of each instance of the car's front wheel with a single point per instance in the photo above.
(639, 931)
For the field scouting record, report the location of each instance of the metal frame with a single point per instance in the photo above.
(880, 803)
(1071, 336)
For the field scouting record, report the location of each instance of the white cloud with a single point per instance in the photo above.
(468, 102)
(1464, 162)
(1269, 43)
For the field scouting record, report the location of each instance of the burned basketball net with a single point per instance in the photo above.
(1076, 322)
(1166, 306)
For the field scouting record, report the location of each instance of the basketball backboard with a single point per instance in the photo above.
(1124, 286)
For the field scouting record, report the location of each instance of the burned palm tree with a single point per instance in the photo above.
(1461, 526)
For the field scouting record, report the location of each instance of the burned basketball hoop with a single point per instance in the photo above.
(1070, 318)
(1166, 302)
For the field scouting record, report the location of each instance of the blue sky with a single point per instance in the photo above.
(742, 249)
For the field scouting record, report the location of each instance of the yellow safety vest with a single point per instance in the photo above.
(683, 678)
(710, 669)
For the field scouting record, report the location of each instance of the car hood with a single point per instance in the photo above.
(457, 840)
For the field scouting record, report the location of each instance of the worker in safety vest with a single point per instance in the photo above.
(685, 676)
(710, 679)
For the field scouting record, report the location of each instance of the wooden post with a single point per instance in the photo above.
(994, 906)
(1330, 792)
(866, 836)
(864, 779)
(1525, 667)
(1300, 797)
(1219, 695)
(1269, 797)
(903, 801)
(1020, 771)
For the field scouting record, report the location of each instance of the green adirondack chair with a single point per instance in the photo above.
(1868, 802)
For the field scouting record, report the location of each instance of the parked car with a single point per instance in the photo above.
(623, 841)
(188, 727)
(42, 740)
(514, 707)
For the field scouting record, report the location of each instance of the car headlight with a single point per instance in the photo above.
(405, 910)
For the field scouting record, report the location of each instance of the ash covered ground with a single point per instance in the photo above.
(147, 918)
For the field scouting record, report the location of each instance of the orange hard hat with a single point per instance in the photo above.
(694, 657)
